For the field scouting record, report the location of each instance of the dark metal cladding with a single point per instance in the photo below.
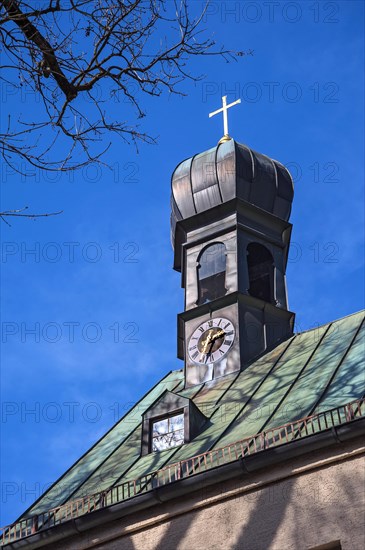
(227, 171)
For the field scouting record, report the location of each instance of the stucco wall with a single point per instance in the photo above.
(302, 504)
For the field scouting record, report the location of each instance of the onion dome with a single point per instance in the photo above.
(229, 170)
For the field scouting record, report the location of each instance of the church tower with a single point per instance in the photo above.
(231, 235)
(258, 412)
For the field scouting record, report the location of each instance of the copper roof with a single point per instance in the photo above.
(313, 371)
(229, 170)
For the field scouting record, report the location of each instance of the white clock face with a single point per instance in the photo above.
(211, 341)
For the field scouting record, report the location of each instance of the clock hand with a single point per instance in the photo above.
(206, 345)
(207, 341)
(208, 352)
(210, 334)
(210, 339)
(218, 335)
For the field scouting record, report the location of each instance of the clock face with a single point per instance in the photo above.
(211, 341)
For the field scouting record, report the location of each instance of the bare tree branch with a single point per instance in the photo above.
(69, 51)
(19, 213)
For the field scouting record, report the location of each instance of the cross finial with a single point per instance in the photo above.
(224, 110)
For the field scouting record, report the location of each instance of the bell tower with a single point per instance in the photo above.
(231, 234)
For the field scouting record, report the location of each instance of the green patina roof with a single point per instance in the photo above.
(311, 372)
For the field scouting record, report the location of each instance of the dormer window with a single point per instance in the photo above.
(168, 432)
(170, 422)
(211, 273)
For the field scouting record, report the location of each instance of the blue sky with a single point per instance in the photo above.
(99, 290)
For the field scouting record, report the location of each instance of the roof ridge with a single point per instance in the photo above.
(330, 322)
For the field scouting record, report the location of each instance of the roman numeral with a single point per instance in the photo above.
(194, 347)
(229, 333)
(220, 320)
(201, 329)
(195, 355)
(228, 342)
(227, 325)
(210, 323)
(212, 356)
(221, 352)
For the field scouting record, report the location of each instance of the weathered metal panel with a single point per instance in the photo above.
(157, 460)
(207, 198)
(317, 375)
(181, 189)
(150, 462)
(227, 171)
(264, 184)
(203, 172)
(284, 198)
(212, 392)
(349, 381)
(190, 393)
(285, 182)
(87, 464)
(245, 170)
(231, 403)
(114, 468)
(263, 402)
(126, 460)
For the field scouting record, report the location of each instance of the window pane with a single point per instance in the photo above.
(160, 427)
(212, 273)
(178, 437)
(212, 288)
(168, 432)
(160, 443)
(177, 422)
(212, 261)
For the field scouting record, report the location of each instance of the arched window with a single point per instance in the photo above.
(212, 273)
(261, 272)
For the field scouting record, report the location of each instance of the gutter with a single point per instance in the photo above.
(242, 467)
